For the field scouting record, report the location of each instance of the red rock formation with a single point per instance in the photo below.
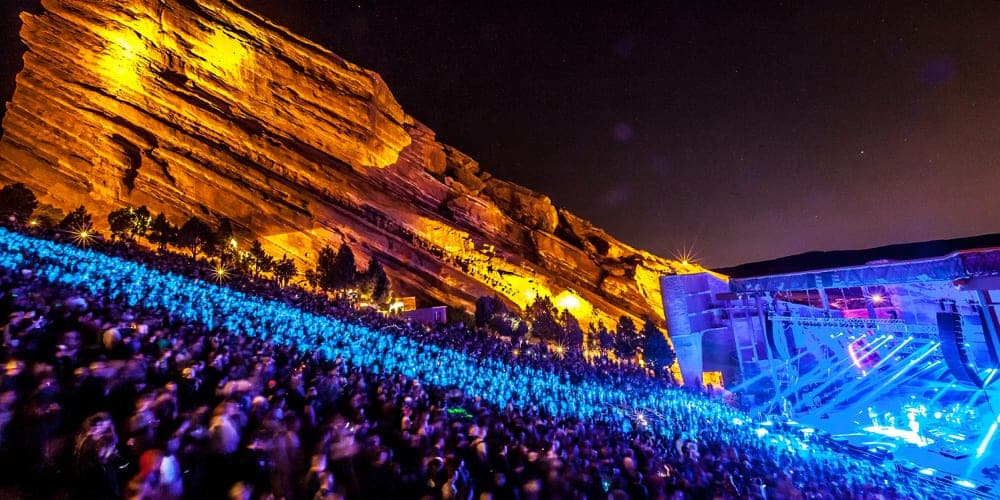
(202, 107)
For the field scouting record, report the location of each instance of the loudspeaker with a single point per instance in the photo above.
(953, 347)
(987, 317)
(782, 342)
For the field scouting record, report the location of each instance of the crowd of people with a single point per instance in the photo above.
(139, 380)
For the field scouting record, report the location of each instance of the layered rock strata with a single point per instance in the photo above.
(202, 107)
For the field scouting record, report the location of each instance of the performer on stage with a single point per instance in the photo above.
(873, 414)
(914, 426)
(890, 419)
(786, 408)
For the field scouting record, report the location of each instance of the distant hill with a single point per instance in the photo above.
(843, 258)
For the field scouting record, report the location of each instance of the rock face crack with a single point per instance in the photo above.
(133, 158)
(202, 108)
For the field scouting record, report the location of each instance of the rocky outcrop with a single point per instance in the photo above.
(202, 107)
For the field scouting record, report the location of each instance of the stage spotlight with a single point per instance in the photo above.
(876, 298)
(965, 482)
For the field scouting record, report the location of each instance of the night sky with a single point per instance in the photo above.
(741, 132)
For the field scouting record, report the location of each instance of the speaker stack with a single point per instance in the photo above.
(956, 354)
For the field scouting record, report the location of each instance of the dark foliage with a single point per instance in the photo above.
(284, 270)
(196, 236)
(657, 351)
(162, 232)
(325, 265)
(259, 260)
(542, 316)
(345, 271)
(77, 220)
(129, 222)
(627, 339)
(17, 202)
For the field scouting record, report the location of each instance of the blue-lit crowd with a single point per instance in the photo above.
(133, 378)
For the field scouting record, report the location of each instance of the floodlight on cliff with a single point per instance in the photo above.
(687, 258)
(569, 301)
(124, 55)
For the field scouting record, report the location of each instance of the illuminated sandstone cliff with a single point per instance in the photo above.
(201, 107)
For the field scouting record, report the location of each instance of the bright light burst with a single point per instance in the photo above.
(686, 255)
(220, 274)
(559, 349)
(83, 236)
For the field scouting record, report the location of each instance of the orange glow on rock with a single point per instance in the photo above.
(121, 62)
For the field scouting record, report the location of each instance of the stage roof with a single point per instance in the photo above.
(957, 268)
(814, 261)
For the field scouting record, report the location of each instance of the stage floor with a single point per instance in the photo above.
(937, 448)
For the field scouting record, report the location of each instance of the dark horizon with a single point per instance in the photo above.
(746, 133)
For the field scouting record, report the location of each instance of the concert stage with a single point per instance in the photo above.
(940, 447)
(891, 360)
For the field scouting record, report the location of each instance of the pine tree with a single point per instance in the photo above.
(484, 311)
(491, 312)
(140, 223)
(572, 334)
(196, 236)
(627, 339)
(119, 221)
(381, 288)
(324, 273)
(542, 315)
(80, 226)
(76, 221)
(657, 351)
(604, 338)
(162, 232)
(129, 222)
(345, 272)
(260, 261)
(284, 270)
